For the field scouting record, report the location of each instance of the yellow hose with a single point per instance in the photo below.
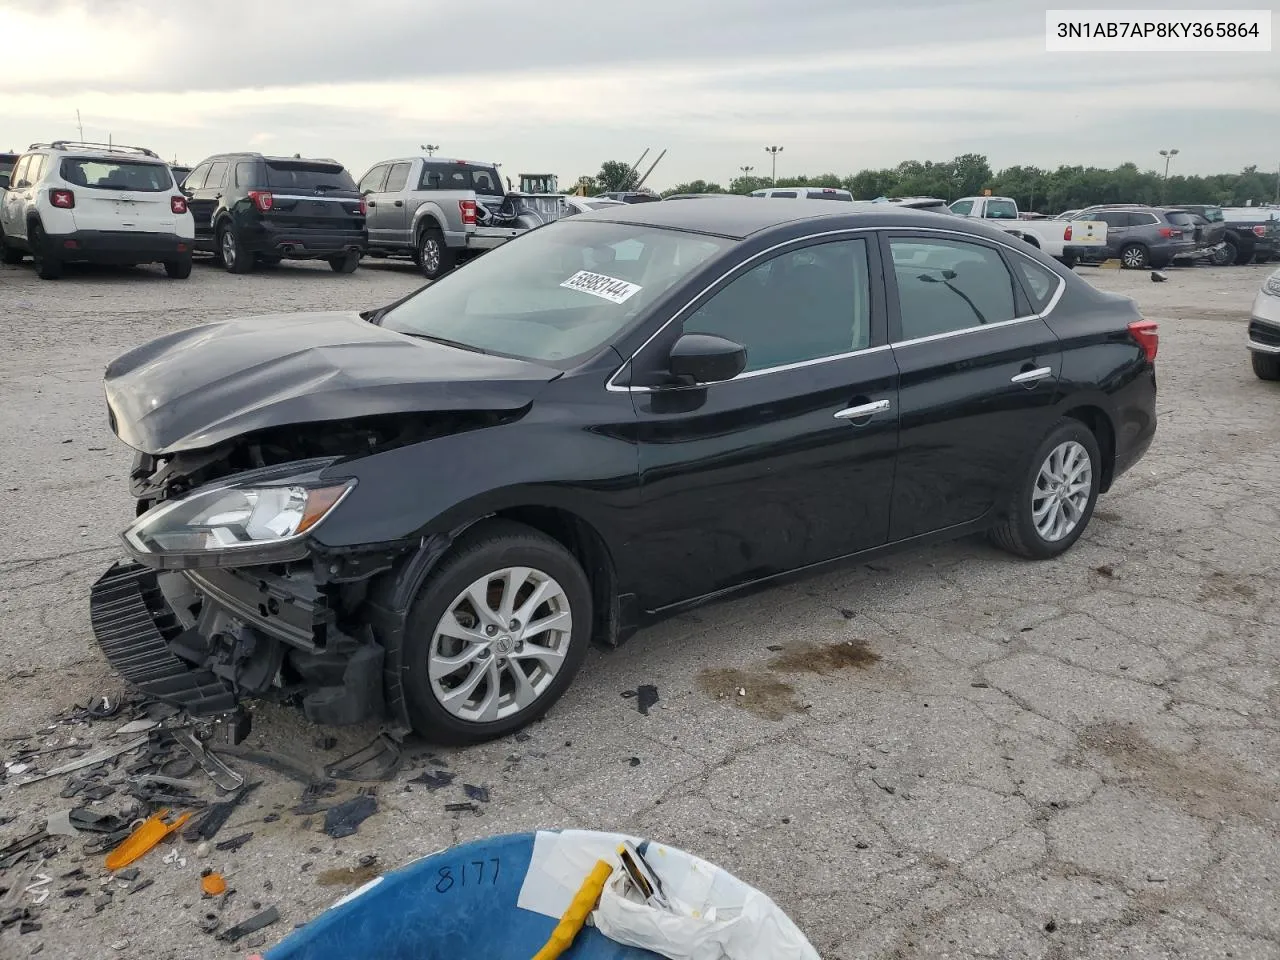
(584, 901)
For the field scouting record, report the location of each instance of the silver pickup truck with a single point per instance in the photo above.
(441, 211)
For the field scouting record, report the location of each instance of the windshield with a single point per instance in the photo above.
(301, 175)
(556, 294)
(116, 175)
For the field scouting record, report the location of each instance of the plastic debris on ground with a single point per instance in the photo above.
(344, 819)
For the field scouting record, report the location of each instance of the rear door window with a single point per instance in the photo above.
(1179, 219)
(397, 178)
(217, 174)
(785, 194)
(308, 176)
(104, 174)
(945, 286)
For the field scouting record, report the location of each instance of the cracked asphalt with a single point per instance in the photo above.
(947, 753)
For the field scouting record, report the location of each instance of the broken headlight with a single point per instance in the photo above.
(1272, 284)
(232, 526)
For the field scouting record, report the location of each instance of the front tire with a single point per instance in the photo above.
(233, 255)
(1266, 366)
(9, 254)
(1054, 502)
(1135, 257)
(495, 635)
(435, 258)
(347, 263)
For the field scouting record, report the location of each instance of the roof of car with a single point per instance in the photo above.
(726, 217)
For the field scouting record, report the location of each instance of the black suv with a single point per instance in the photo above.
(251, 209)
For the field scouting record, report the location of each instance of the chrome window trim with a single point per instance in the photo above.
(612, 387)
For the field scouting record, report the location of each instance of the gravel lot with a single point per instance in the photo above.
(1077, 758)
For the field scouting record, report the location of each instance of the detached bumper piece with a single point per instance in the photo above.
(133, 625)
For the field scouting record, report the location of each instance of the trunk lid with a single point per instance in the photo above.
(202, 386)
(310, 195)
(120, 195)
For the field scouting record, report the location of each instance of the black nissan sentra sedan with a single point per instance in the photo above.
(426, 512)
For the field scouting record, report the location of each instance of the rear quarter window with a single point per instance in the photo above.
(104, 174)
(301, 175)
(1039, 281)
(1180, 219)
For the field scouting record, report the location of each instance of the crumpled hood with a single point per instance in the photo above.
(199, 387)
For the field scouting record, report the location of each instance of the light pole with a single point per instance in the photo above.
(1168, 155)
(773, 152)
(430, 148)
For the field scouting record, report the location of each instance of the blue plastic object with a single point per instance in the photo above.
(459, 904)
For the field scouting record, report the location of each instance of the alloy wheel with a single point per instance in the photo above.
(228, 249)
(430, 255)
(500, 644)
(1062, 489)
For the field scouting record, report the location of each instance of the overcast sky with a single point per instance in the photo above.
(562, 85)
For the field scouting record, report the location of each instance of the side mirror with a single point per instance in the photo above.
(702, 358)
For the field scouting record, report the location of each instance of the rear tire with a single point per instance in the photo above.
(347, 263)
(1265, 365)
(47, 267)
(234, 257)
(1135, 257)
(435, 259)
(1060, 465)
(1243, 257)
(178, 269)
(494, 547)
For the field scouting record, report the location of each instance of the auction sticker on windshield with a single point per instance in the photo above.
(599, 285)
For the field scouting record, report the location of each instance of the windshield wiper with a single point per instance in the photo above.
(444, 340)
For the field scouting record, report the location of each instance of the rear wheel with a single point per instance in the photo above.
(1243, 256)
(234, 257)
(1266, 365)
(346, 263)
(496, 635)
(47, 267)
(434, 256)
(1054, 502)
(178, 269)
(1135, 257)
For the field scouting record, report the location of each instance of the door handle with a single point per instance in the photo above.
(399, 203)
(862, 410)
(1032, 376)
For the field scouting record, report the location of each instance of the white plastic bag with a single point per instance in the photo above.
(714, 915)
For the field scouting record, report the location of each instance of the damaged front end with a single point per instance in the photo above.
(226, 596)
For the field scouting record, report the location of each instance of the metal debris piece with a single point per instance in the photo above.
(137, 726)
(128, 874)
(75, 891)
(434, 781)
(379, 761)
(91, 821)
(142, 779)
(217, 815)
(89, 760)
(235, 843)
(22, 844)
(141, 885)
(252, 925)
(222, 775)
(461, 807)
(99, 791)
(344, 819)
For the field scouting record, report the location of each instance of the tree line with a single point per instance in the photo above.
(969, 174)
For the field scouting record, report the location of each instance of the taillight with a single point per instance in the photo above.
(1259, 231)
(1146, 333)
(1170, 232)
(261, 199)
(364, 206)
(468, 208)
(178, 204)
(65, 199)
(1066, 234)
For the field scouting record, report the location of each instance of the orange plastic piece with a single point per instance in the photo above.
(213, 884)
(152, 831)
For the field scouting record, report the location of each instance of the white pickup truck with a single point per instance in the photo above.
(1056, 238)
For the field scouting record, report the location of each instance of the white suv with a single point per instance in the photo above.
(94, 203)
